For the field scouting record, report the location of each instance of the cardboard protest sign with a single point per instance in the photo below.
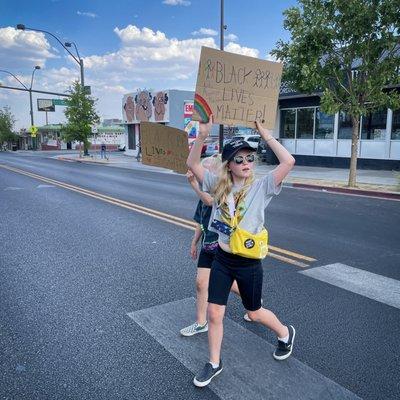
(236, 89)
(163, 146)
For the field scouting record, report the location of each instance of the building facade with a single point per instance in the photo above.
(49, 138)
(313, 137)
(319, 139)
(168, 107)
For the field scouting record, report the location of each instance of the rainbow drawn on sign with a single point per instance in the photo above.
(202, 108)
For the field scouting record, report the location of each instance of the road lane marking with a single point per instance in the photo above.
(293, 254)
(287, 260)
(131, 206)
(184, 223)
(374, 286)
(44, 186)
(250, 372)
(10, 188)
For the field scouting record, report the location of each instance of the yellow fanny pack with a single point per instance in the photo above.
(246, 244)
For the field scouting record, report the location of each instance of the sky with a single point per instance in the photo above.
(125, 44)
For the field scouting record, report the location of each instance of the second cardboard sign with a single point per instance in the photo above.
(164, 146)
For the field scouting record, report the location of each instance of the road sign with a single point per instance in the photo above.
(33, 130)
(95, 129)
(45, 105)
(59, 102)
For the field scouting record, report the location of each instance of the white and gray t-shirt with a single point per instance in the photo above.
(250, 208)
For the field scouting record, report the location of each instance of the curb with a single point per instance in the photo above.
(360, 192)
(80, 160)
(331, 189)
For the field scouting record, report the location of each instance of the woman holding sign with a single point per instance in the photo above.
(238, 219)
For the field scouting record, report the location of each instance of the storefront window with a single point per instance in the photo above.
(305, 123)
(374, 125)
(288, 121)
(345, 126)
(324, 125)
(396, 125)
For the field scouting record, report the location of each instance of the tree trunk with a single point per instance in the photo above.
(85, 148)
(354, 151)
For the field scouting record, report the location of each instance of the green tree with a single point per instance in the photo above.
(81, 115)
(7, 121)
(348, 50)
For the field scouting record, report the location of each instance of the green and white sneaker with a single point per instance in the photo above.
(194, 329)
(247, 318)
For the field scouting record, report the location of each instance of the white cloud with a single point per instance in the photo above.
(132, 35)
(146, 59)
(231, 37)
(116, 89)
(23, 47)
(271, 57)
(87, 14)
(177, 2)
(238, 49)
(205, 31)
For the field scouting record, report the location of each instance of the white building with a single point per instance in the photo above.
(168, 107)
(315, 138)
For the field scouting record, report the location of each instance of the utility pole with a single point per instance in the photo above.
(222, 28)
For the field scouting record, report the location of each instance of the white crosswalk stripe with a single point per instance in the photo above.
(374, 286)
(250, 372)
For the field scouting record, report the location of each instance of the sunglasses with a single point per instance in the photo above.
(249, 158)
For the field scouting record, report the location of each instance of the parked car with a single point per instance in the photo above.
(209, 141)
(253, 140)
(212, 147)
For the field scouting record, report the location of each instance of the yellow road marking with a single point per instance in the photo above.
(291, 253)
(184, 223)
(287, 260)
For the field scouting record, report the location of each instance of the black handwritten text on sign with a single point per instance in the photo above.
(238, 89)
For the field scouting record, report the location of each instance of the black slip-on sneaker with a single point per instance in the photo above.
(204, 377)
(284, 350)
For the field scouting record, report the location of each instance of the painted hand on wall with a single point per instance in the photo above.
(159, 102)
(143, 105)
(129, 107)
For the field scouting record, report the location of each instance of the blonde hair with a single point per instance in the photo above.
(212, 163)
(225, 184)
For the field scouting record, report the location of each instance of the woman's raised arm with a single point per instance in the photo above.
(193, 161)
(286, 160)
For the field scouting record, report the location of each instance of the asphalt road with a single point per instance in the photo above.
(73, 267)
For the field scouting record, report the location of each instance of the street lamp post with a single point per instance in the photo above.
(79, 60)
(222, 28)
(30, 100)
(69, 44)
(30, 94)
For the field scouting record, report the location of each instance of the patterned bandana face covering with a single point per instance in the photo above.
(239, 205)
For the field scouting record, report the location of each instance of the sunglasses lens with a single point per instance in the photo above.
(238, 159)
(249, 158)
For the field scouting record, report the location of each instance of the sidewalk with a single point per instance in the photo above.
(369, 182)
(115, 159)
